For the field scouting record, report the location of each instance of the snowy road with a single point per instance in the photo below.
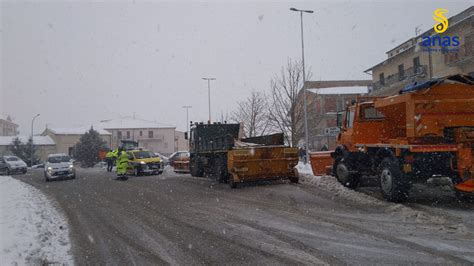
(179, 219)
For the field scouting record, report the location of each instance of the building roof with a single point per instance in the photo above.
(76, 130)
(8, 120)
(341, 90)
(337, 83)
(130, 123)
(37, 140)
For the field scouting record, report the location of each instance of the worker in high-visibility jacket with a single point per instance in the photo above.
(122, 163)
(110, 158)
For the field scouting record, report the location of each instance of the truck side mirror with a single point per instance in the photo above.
(339, 119)
(186, 135)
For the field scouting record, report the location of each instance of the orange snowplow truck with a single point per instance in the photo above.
(426, 131)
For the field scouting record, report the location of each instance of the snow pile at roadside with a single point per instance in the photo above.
(407, 214)
(330, 183)
(31, 229)
(304, 168)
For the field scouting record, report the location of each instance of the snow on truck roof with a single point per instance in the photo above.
(37, 140)
(459, 78)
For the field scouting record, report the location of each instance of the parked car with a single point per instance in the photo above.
(176, 155)
(181, 163)
(59, 165)
(12, 164)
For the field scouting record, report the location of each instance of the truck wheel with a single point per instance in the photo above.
(296, 178)
(343, 174)
(220, 171)
(393, 182)
(232, 183)
(195, 170)
(463, 196)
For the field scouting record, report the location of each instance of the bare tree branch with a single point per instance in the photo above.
(253, 113)
(284, 111)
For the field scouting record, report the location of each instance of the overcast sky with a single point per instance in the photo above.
(77, 63)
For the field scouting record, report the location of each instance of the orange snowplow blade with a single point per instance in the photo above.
(321, 162)
(262, 163)
(466, 186)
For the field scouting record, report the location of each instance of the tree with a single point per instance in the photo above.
(284, 112)
(253, 114)
(26, 152)
(86, 151)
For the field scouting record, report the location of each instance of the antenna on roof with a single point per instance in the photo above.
(418, 29)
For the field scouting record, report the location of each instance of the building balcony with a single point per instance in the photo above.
(411, 74)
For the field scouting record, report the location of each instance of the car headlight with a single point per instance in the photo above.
(142, 162)
(71, 166)
(50, 168)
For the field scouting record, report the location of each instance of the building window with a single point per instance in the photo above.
(416, 62)
(150, 134)
(401, 71)
(141, 133)
(128, 134)
(382, 78)
(119, 134)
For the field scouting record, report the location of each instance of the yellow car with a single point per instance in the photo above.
(144, 162)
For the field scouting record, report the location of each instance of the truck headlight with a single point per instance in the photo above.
(50, 169)
(71, 166)
(142, 162)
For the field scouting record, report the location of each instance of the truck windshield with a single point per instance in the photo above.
(350, 118)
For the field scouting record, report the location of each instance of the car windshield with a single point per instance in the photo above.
(59, 159)
(144, 154)
(12, 159)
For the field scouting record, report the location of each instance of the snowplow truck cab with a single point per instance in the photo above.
(425, 131)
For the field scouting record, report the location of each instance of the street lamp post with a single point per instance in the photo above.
(209, 94)
(32, 142)
(187, 116)
(305, 107)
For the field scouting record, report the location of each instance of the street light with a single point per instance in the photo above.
(187, 117)
(305, 107)
(32, 142)
(209, 94)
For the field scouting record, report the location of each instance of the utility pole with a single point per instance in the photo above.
(305, 107)
(209, 94)
(32, 142)
(187, 116)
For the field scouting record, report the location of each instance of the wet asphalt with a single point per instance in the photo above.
(182, 220)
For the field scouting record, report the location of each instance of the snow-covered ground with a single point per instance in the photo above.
(330, 183)
(32, 231)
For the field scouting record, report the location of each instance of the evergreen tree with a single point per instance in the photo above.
(86, 151)
(26, 152)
